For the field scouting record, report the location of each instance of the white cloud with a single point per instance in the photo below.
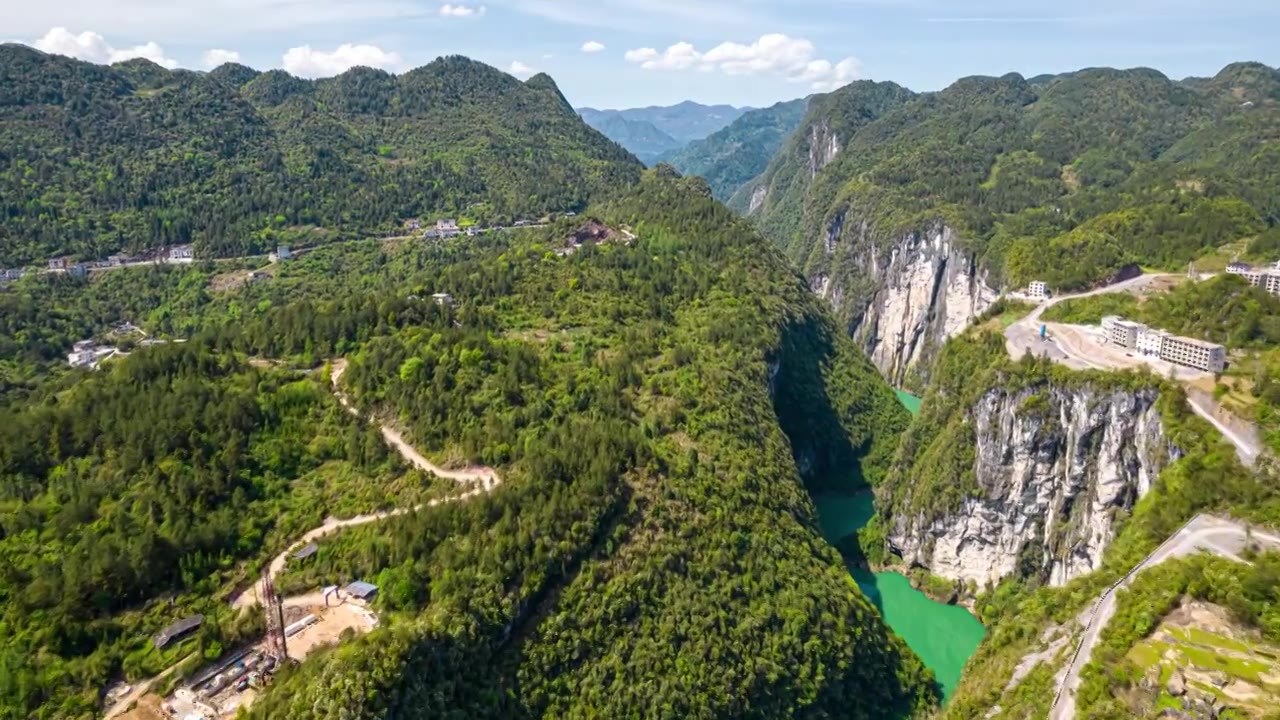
(680, 56)
(591, 46)
(306, 61)
(216, 57)
(460, 10)
(93, 47)
(773, 54)
(519, 69)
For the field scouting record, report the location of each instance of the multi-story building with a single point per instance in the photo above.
(1198, 354)
(1038, 290)
(1151, 341)
(181, 253)
(1123, 333)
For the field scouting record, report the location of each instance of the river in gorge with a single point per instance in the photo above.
(944, 636)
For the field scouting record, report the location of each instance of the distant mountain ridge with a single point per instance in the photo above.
(641, 137)
(732, 156)
(682, 123)
(235, 160)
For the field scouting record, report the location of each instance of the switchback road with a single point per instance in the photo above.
(482, 478)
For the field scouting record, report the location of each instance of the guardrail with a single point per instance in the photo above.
(1075, 656)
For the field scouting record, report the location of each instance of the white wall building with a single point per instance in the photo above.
(181, 253)
(1038, 290)
(1122, 333)
(1151, 341)
(1198, 354)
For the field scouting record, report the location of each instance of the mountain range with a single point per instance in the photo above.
(910, 211)
(654, 390)
(654, 132)
(235, 160)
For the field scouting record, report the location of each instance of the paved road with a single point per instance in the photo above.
(485, 479)
(1225, 538)
(1068, 345)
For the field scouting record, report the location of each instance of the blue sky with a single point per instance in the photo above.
(744, 52)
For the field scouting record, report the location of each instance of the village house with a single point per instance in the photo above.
(181, 254)
(60, 263)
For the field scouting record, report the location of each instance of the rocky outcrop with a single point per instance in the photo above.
(757, 198)
(916, 293)
(824, 146)
(1055, 469)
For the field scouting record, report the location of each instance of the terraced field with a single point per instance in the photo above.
(1196, 656)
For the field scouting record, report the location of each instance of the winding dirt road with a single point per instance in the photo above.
(1225, 538)
(483, 479)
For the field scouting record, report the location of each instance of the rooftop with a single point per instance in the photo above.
(306, 552)
(1196, 343)
(361, 589)
(181, 627)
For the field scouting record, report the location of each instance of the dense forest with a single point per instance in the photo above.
(1066, 179)
(95, 159)
(657, 408)
(151, 482)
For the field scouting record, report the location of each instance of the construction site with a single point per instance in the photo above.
(296, 627)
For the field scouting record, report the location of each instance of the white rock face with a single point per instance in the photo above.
(1053, 472)
(927, 290)
(824, 146)
(757, 198)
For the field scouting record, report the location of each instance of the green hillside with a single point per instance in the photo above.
(658, 410)
(734, 155)
(96, 159)
(1066, 179)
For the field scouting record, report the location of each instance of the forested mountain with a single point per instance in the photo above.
(993, 182)
(685, 122)
(96, 159)
(658, 409)
(738, 153)
(641, 137)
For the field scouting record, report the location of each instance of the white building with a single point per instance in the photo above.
(181, 254)
(283, 252)
(1038, 290)
(1198, 354)
(447, 227)
(443, 299)
(1273, 284)
(1151, 341)
(1122, 333)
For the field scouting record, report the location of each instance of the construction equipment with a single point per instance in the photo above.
(273, 606)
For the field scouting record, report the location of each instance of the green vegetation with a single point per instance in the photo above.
(731, 157)
(154, 480)
(934, 468)
(235, 161)
(1070, 179)
(1224, 309)
(1129, 650)
(655, 408)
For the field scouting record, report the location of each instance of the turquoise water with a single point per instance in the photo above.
(909, 401)
(944, 636)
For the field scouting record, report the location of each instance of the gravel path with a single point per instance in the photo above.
(483, 479)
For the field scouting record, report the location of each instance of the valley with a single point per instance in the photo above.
(856, 405)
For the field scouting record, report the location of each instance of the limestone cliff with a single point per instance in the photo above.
(911, 296)
(1055, 468)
